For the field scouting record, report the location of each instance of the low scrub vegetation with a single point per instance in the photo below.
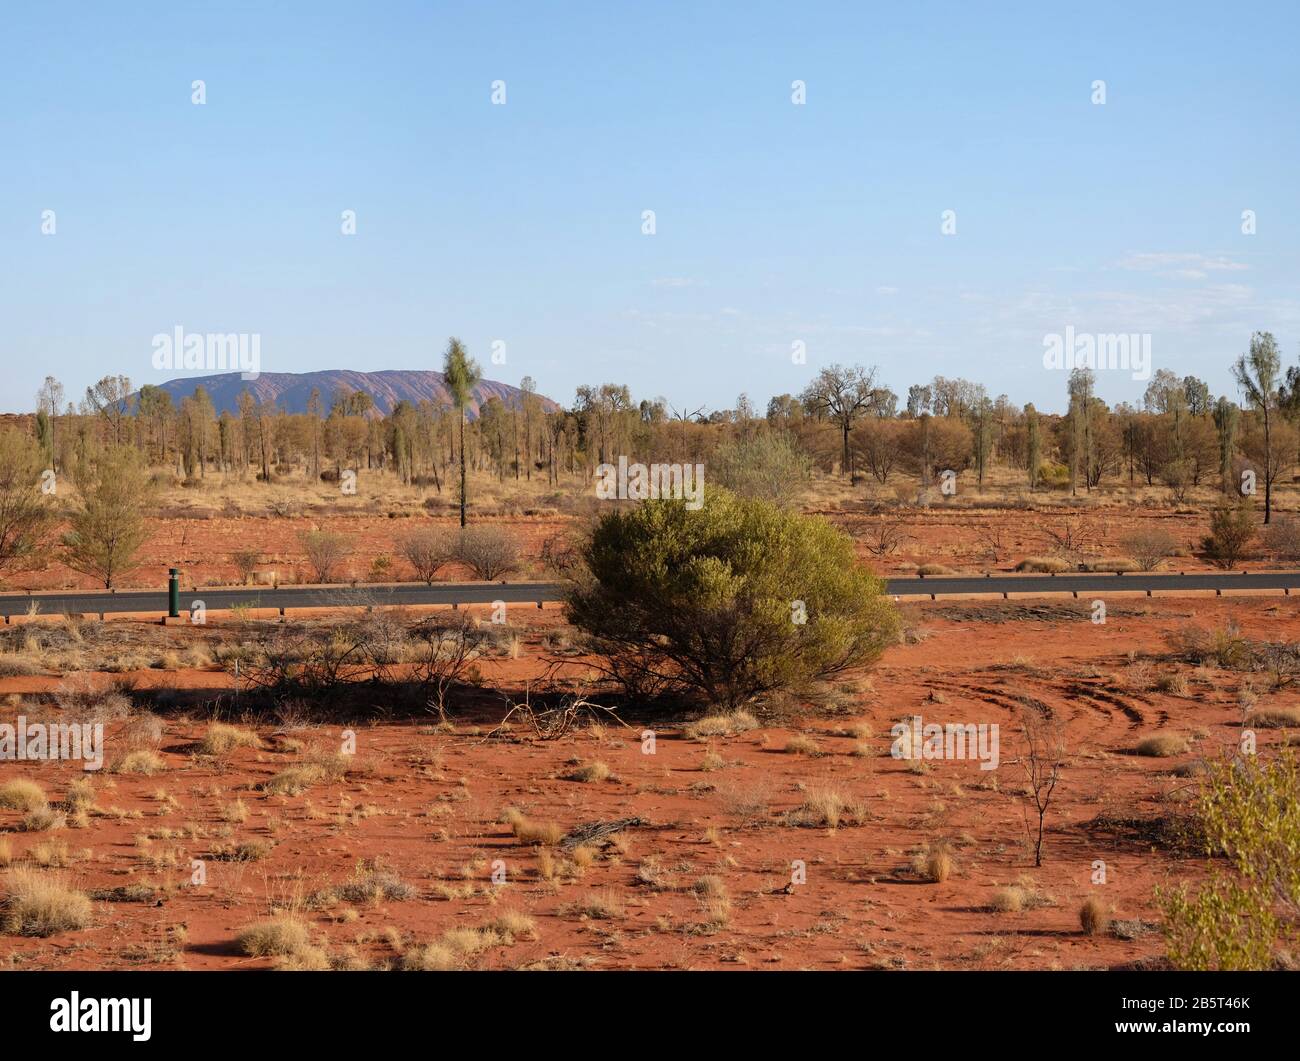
(1249, 811)
(41, 904)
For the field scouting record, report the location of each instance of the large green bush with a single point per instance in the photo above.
(706, 604)
(1249, 812)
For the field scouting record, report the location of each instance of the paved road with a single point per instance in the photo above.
(146, 601)
(1099, 583)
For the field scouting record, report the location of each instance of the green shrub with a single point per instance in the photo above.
(765, 465)
(1231, 529)
(1250, 814)
(704, 604)
(1054, 476)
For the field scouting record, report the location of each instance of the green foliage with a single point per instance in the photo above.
(461, 373)
(1231, 529)
(25, 512)
(766, 465)
(1053, 475)
(107, 525)
(1223, 926)
(1250, 814)
(705, 603)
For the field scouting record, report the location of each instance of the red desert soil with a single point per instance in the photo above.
(973, 540)
(428, 805)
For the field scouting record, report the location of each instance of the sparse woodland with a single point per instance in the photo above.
(750, 638)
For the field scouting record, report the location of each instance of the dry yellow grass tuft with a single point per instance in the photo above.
(140, 761)
(41, 904)
(234, 812)
(314, 769)
(430, 958)
(830, 808)
(80, 798)
(277, 937)
(802, 744)
(1043, 564)
(603, 905)
(1274, 718)
(712, 761)
(527, 831)
(221, 739)
(1094, 918)
(722, 725)
(933, 863)
(294, 780)
(21, 794)
(1163, 745)
(510, 925)
(1008, 900)
(458, 946)
(41, 819)
(588, 772)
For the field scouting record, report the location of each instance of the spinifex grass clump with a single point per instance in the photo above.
(727, 602)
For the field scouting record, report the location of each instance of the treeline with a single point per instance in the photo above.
(845, 422)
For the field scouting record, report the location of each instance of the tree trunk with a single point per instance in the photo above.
(462, 467)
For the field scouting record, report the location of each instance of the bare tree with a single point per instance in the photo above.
(325, 551)
(880, 443)
(112, 399)
(1071, 538)
(1150, 547)
(843, 394)
(245, 562)
(883, 535)
(428, 550)
(487, 551)
(1043, 760)
(447, 659)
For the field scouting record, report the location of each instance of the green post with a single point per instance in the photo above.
(174, 593)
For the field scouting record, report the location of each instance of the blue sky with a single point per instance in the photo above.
(775, 223)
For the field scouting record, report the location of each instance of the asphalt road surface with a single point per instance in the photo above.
(155, 601)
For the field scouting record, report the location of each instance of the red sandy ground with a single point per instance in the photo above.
(964, 539)
(428, 804)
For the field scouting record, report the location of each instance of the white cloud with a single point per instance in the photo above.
(1184, 266)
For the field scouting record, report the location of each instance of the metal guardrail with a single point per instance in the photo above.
(176, 602)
